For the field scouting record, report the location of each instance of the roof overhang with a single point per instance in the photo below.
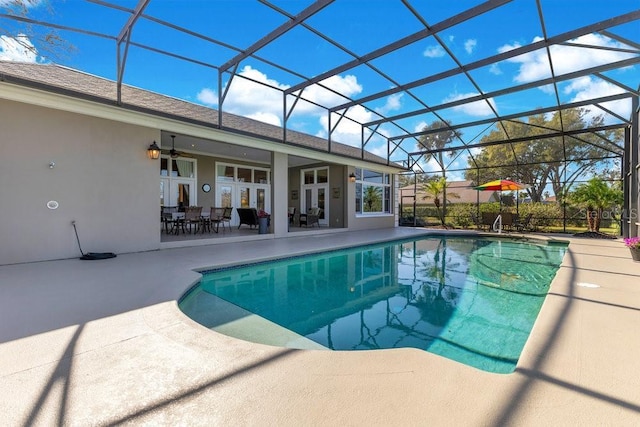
(122, 114)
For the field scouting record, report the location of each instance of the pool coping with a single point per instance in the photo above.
(86, 355)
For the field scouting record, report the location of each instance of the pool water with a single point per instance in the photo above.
(473, 300)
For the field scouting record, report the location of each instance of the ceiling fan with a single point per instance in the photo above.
(173, 152)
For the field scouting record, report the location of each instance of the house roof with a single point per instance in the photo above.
(464, 189)
(78, 84)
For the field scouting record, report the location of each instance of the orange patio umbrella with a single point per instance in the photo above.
(501, 185)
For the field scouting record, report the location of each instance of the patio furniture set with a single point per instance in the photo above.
(510, 221)
(193, 219)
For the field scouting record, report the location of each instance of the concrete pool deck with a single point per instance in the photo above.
(103, 343)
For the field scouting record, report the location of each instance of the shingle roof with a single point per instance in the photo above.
(75, 83)
(464, 189)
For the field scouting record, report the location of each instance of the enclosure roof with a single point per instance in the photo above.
(368, 77)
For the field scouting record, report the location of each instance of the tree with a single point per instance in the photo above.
(596, 195)
(411, 178)
(438, 299)
(541, 160)
(434, 189)
(20, 40)
(372, 198)
(434, 143)
(437, 141)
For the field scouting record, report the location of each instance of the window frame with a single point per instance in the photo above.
(383, 181)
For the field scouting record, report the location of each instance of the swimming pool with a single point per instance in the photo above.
(470, 299)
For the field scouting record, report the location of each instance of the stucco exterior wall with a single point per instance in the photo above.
(102, 179)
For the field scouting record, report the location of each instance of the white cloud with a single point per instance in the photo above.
(432, 165)
(208, 97)
(261, 99)
(477, 108)
(434, 52)
(475, 151)
(380, 150)
(535, 65)
(272, 119)
(18, 49)
(419, 127)
(393, 104)
(548, 89)
(578, 84)
(586, 88)
(347, 85)
(495, 69)
(250, 98)
(347, 132)
(470, 45)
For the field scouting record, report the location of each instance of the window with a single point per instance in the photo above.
(260, 176)
(244, 175)
(226, 173)
(373, 192)
(247, 174)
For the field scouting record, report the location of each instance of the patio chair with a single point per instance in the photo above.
(508, 220)
(475, 220)
(311, 217)
(214, 220)
(192, 218)
(487, 219)
(167, 216)
(525, 224)
(226, 217)
(292, 214)
(248, 216)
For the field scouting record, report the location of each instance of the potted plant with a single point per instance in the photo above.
(633, 243)
(263, 222)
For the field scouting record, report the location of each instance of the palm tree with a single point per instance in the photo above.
(434, 189)
(596, 196)
(372, 197)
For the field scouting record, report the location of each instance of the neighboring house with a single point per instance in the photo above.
(464, 189)
(71, 153)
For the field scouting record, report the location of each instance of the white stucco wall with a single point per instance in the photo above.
(102, 179)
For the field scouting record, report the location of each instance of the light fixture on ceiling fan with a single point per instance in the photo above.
(173, 153)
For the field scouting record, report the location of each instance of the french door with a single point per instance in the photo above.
(239, 195)
(315, 188)
(240, 186)
(177, 182)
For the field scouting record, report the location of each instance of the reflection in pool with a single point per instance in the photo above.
(470, 299)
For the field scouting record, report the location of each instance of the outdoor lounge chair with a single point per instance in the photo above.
(311, 217)
(248, 216)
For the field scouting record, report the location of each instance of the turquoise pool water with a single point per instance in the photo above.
(470, 299)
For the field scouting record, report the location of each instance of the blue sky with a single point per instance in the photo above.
(361, 27)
